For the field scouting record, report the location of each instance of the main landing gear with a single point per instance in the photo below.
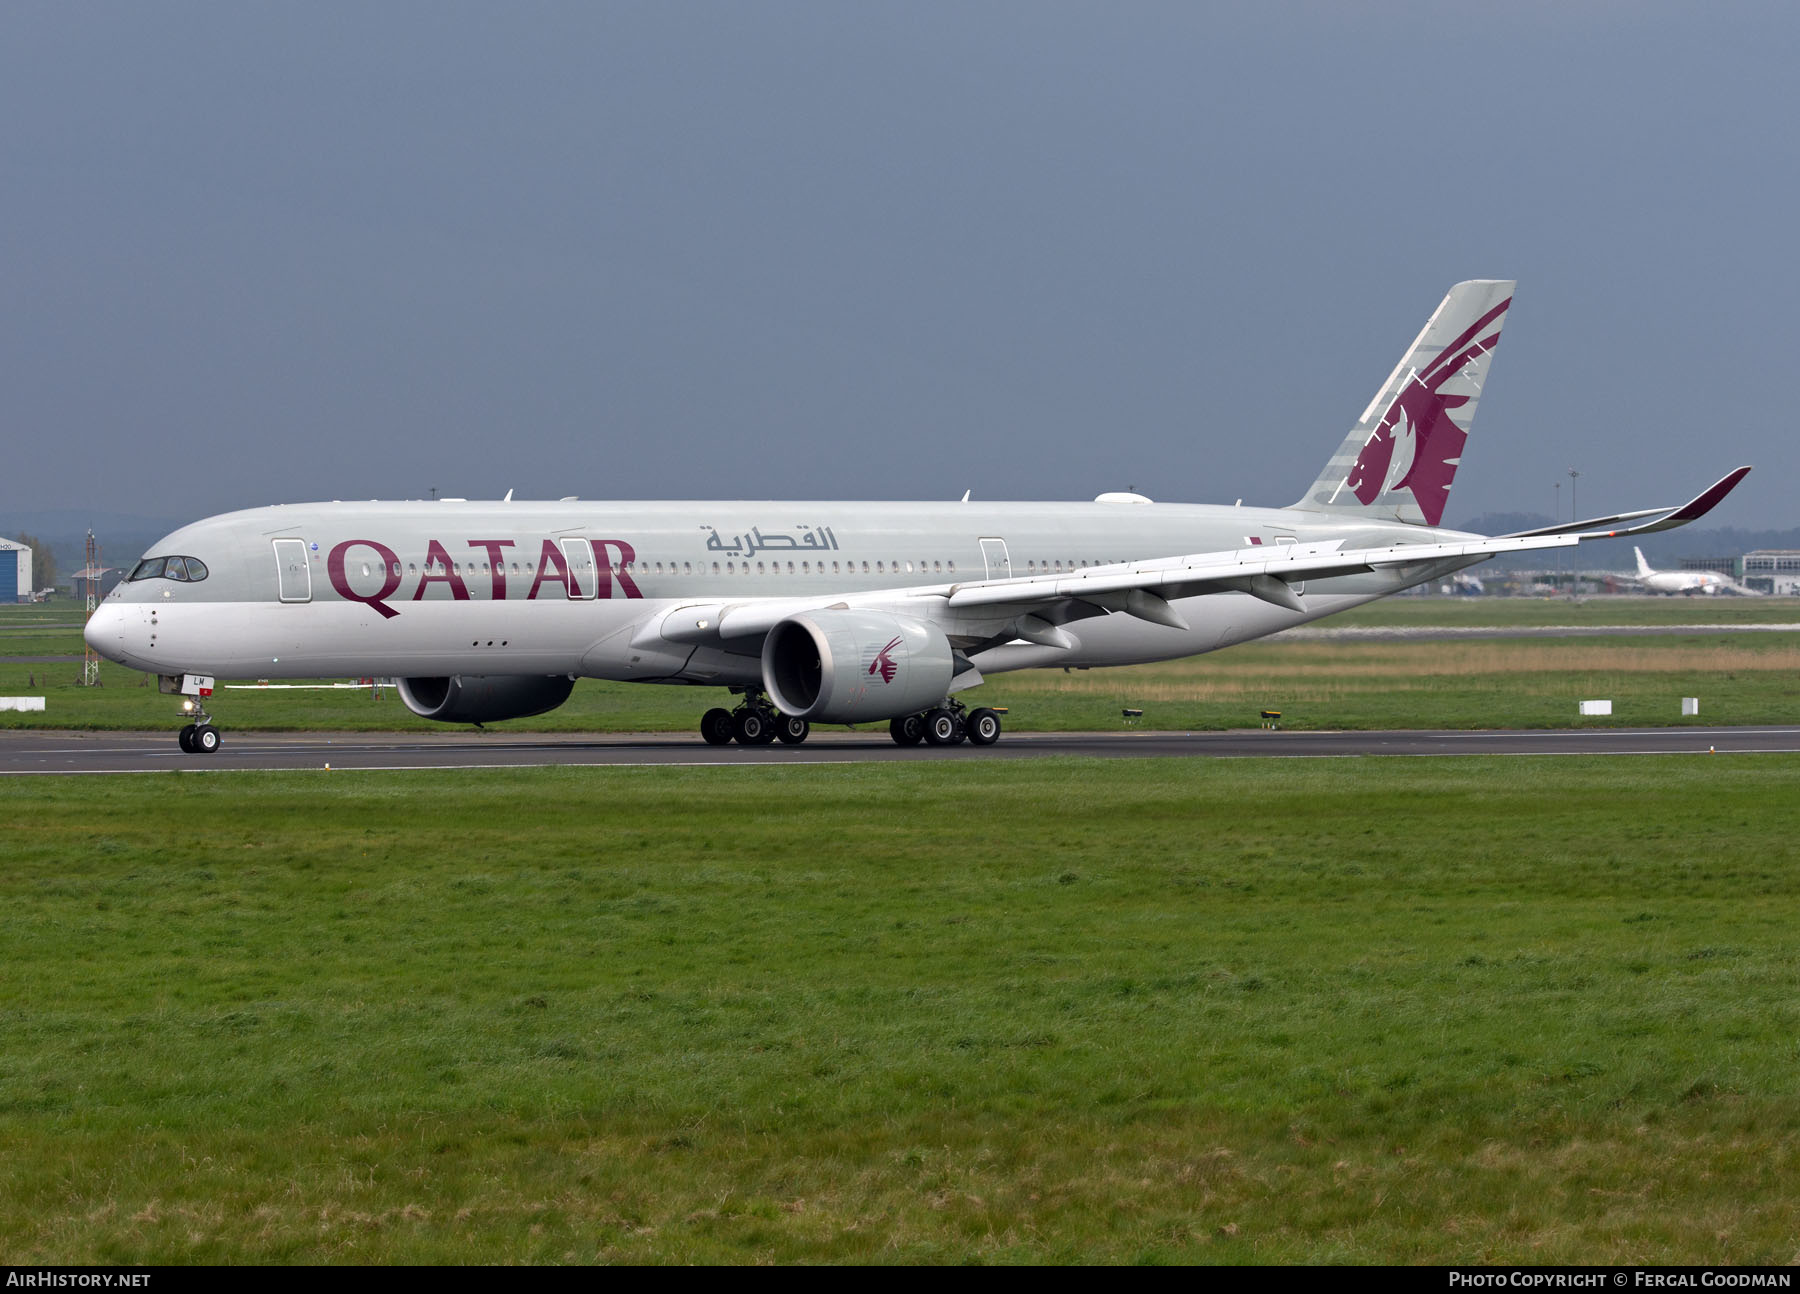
(948, 725)
(754, 723)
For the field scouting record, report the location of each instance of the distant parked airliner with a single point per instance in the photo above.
(1689, 582)
(822, 612)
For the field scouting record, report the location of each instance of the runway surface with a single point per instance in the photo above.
(27, 752)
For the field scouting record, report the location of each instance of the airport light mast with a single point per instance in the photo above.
(1556, 516)
(90, 661)
(1575, 515)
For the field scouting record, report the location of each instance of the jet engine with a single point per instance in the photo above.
(484, 698)
(855, 666)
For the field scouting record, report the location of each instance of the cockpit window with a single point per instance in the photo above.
(186, 569)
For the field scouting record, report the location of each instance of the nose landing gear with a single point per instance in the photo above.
(198, 736)
(199, 739)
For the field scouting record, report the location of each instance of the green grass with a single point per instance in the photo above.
(41, 630)
(1440, 1011)
(1523, 612)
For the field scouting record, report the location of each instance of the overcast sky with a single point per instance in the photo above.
(266, 253)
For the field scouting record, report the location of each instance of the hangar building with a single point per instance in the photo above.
(1774, 570)
(15, 572)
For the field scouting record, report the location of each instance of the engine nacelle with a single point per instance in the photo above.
(855, 666)
(484, 698)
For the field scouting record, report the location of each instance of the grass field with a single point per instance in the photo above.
(1484, 612)
(1740, 678)
(1460, 1010)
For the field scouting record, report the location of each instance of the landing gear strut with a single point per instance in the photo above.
(754, 723)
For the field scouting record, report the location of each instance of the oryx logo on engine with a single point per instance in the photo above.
(884, 663)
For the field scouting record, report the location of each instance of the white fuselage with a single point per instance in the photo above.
(585, 589)
(1689, 582)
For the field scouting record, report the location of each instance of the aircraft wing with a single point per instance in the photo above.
(1145, 589)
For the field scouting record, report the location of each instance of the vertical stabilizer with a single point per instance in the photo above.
(1397, 463)
(1644, 571)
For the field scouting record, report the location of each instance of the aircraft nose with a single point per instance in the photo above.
(105, 630)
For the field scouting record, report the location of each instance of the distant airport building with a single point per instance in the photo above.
(15, 572)
(100, 578)
(1776, 570)
(1720, 565)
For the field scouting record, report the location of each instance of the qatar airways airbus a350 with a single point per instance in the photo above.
(819, 612)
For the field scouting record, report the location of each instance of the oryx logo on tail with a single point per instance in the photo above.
(1399, 459)
(1417, 445)
(884, 663)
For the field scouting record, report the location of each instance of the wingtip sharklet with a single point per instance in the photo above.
(1695, 508)
(1709, 498)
